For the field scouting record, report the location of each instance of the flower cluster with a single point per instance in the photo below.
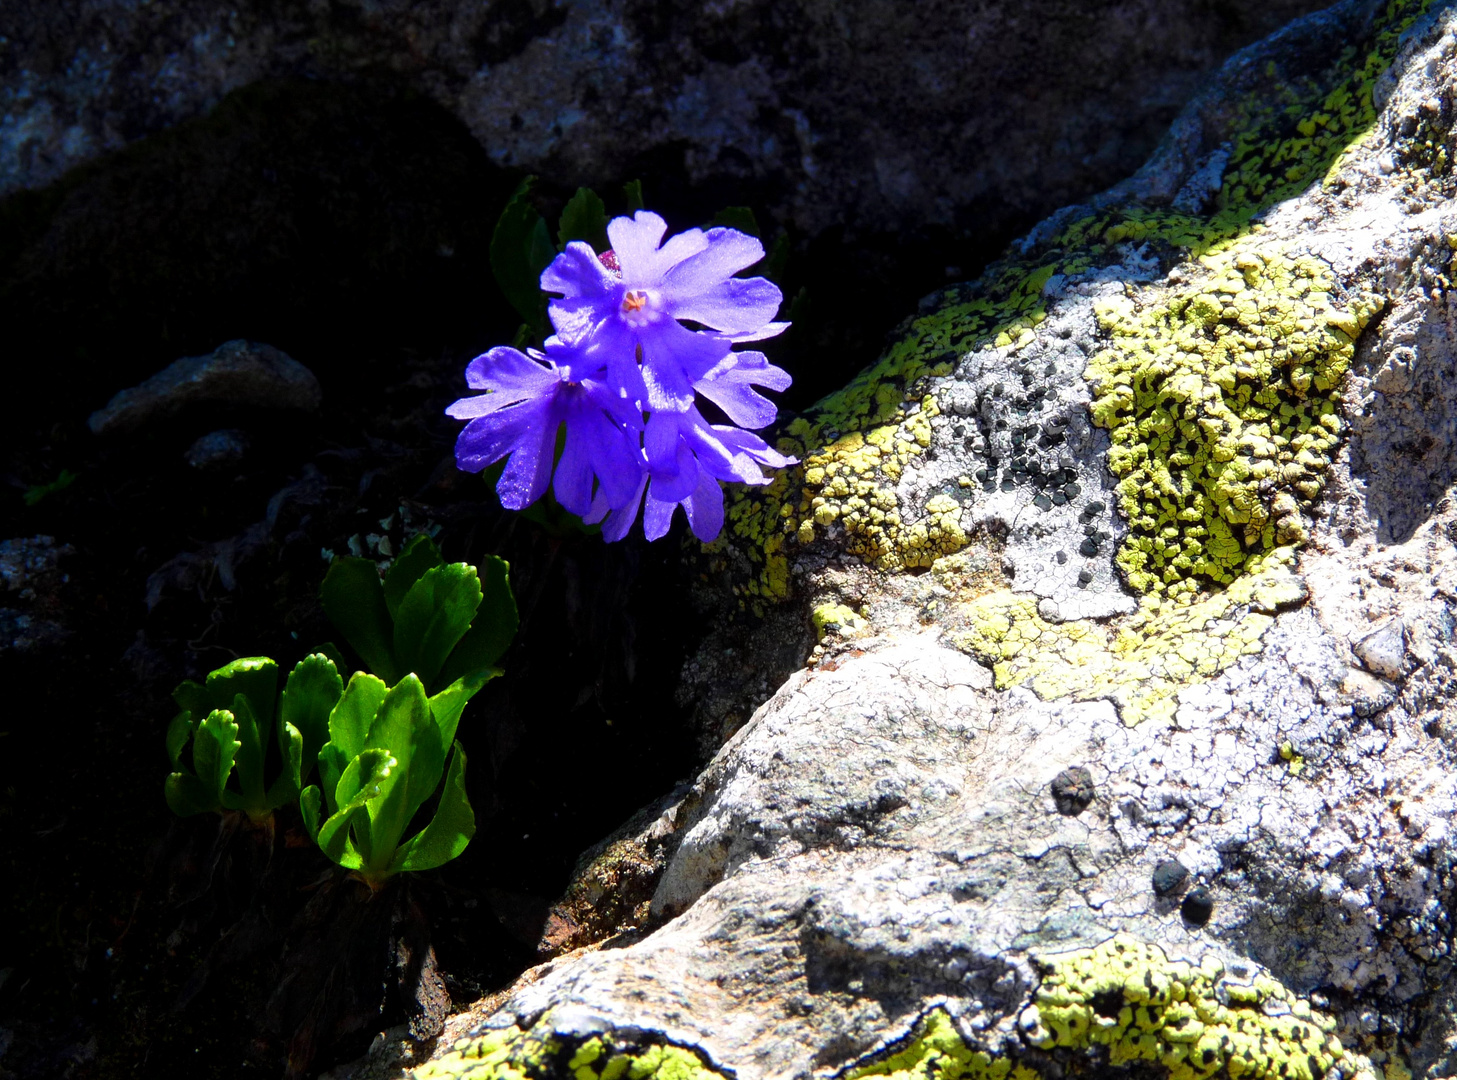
(624, 374)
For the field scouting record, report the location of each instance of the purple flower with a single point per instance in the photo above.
(529, 397)
(632, 316)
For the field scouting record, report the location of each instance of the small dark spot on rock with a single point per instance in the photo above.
(1197, 907)
(1168, 876)
(999, 389)
(1088, 548)
(982, 474)
(958, 430)
(1108, 1003)
(1034, 466)
(1050, 370)
(1009, 484)
(1072, 790)
(1059, 498)
(1097, 506)
(1073, 491)
(1089, 528)
(1085, 575)
(1061, 557)
(1042, 502)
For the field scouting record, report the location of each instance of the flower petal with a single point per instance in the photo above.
(768, 330)
(671, 462)
(635, 242)
(657, 515)
(527, 474)
(735, 306)
(487, 439)
(749, 444)
(673, 359)
(577, 272)
(731, 388)
(705, 509)
(726, 252)
(504, 369)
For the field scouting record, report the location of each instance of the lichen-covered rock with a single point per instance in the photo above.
(822, 110)
(1177, 472)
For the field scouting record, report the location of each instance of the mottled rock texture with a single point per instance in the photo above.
(1163, 497)
(826, 111)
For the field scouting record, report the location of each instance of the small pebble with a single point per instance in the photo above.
(1168, 876)
(1072, 790)
(1198, 906)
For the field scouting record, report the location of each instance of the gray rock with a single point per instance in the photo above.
(236, 373)
(31, 575)
(869, 113)
(1383, 651)
(218, 449)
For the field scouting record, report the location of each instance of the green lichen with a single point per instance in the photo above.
(537, 1054)
(1221, 398)
(1287, 132)
(1124, 1003)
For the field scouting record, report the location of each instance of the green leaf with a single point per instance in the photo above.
(632, 191)
(309, 696)
(308, 805)
(407, 729)
(178, 732)
(434, 616)
(192, 696)
(214, 746)
(350, 720)
(735, 217)
(420, 555)
(492, 630)
(286, 786)
(447, 705)
(332, 763)
(331, 650)
(354, 601)
(36, 492)
(583, 218)
(520, 251)
(255, 677)
(778, 260)
(359, 784)
(449, 831)
(187, 795)
(249, 759)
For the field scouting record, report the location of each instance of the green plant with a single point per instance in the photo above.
(228, 719)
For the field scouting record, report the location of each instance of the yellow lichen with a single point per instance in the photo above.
(1142, 662)
(513, 1054)
(1125, 1003)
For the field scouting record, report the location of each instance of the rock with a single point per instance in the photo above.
(1168, 876)
(1383, 651)
(236, 373)
(31, 575)
(824, 110)
(865, 880)
(1073, 790)
(217, 450)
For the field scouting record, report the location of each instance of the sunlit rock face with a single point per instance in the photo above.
(1213, 627)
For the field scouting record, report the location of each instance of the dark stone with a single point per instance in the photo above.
(1088, 548)
(217, 450)
(1085, 575)
(1072, 790)
(1168, 876)
(236, 373)
(1197, 907)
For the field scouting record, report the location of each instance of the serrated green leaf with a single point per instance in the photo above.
(492, 629)
(406, 727)
(187, 795)
(331, 650)
(447, 705)
(449, 831)
(632, 191)
(214, 746)
(735, 217)
(516, 256)
(308, 807)
(350, 720)
(192, 696)
(419, 555)
(359, 784)
(434, 616)
(309, 696)
(178, 732)
(255, 677)
(285, 786)
(353, 599)
(250, 757)
(583, 218)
